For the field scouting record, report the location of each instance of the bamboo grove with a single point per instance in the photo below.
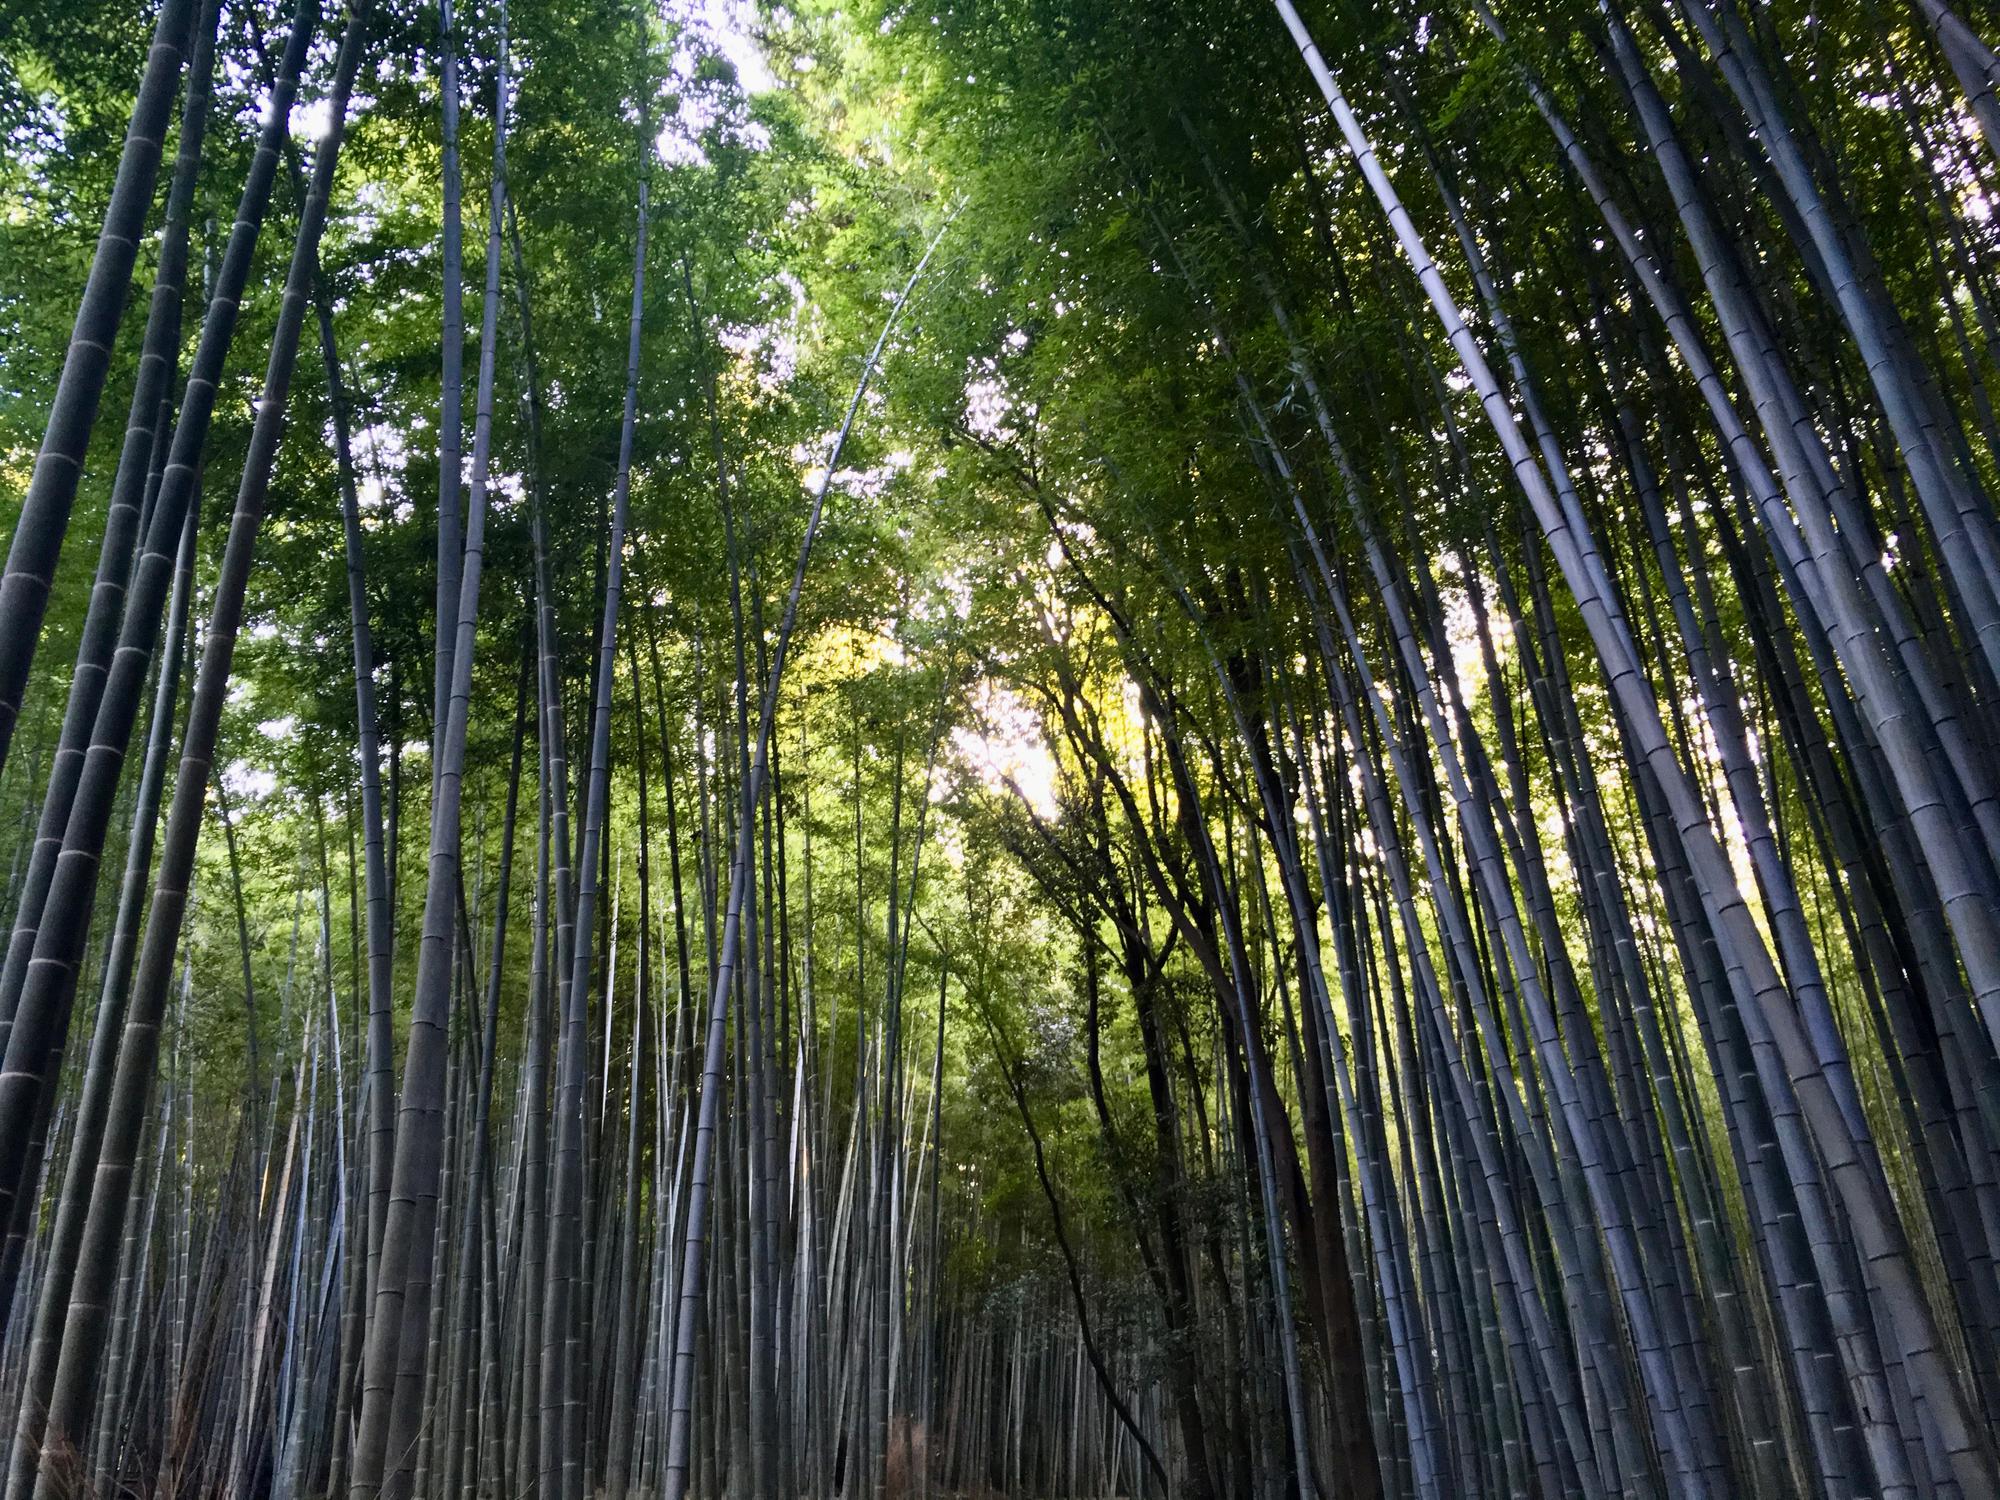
(1013, 747)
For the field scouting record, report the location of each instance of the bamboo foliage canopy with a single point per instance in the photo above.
(1003, 747)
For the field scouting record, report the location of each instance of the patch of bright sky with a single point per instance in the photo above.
(311, 121)
(866, 483)
(987, 403)
(954, 591)
(732, 25)
(1005, 748)
(383, 448)
(247, 783)
(1461, 628)
(37, 136)
(776, 341)
(728, 27)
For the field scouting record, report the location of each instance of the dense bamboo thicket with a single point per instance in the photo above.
(1020, 747)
